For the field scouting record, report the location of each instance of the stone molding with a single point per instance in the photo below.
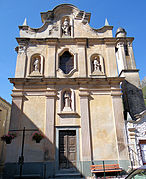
(78, 41)
(51, 93)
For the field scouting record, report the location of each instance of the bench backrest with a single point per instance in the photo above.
(106, 166)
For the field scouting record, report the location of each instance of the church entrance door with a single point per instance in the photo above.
(67, 149)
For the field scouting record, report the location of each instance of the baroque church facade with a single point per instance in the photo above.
(67, 86)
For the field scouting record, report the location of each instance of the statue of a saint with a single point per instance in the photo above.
(66, 27)
(36, 64)
(67, 99)
(96, 65)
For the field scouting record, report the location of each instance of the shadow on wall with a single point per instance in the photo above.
(133, 100)
(39, 158)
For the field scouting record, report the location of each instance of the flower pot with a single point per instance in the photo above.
(38, 140)
(8, 140)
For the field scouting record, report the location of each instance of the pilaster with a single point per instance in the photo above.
(85, 125)
(21, 62)
(119, 127)
(82, 62)
(121, 58)
(15, 124)
(111, 69)
(50, 121)
(131, 54)
(50, 63)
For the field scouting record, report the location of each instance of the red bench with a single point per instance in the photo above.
(105, 168)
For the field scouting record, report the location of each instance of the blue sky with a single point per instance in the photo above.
(129, 14)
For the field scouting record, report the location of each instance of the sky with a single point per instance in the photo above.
(129, 14)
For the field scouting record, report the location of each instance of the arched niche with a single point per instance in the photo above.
(97, 65)
(36, 65)
(67, 100)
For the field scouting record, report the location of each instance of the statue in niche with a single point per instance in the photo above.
(67, 101)
(66, 27)
(36, 64)
(96, 64)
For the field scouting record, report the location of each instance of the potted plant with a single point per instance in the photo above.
(37, 136)
(8, 138)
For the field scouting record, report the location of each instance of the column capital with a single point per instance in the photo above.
(18, 95)
(21, 49)
(51, 93)
(120, 44)
(84, 92)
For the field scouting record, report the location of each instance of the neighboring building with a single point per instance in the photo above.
(5, 110)
(136, 133)
(67, 86)
(143, 84)
(134, 106)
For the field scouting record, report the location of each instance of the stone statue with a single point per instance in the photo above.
(36, 64)
(66, 27)
(96, 65)
(67, 99)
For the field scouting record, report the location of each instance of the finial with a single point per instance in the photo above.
(25, 22)
(106, 22)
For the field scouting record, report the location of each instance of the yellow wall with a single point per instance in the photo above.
(103, 130)
(34, 112)
(5, 110)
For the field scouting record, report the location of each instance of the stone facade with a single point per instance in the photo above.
(5, 110)
(67, 86)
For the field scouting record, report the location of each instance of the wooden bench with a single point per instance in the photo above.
(105, 168)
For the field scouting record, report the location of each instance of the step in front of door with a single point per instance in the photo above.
(68, 175)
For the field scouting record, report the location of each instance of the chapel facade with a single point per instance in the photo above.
(67, 86)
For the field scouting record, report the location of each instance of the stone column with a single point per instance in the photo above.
(50, 122)
(82, 61)
(50, 61)
(85, 125)
(21, 62)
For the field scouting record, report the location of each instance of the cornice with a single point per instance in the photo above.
(82, 81)
(82, 40)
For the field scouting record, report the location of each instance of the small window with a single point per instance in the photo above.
(126, 50)
(66, 62)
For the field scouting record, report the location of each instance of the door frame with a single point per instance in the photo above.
(59, 128)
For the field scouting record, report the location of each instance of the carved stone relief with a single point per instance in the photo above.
(52, 28)
(21, 49)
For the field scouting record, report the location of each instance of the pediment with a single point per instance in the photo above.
(54, 20)
(64, 10)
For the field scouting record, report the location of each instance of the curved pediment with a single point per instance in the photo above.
(65, 21)
(63, 10)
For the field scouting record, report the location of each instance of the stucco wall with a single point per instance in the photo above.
(103, 130)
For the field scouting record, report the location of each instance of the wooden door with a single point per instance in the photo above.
(67, 149)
